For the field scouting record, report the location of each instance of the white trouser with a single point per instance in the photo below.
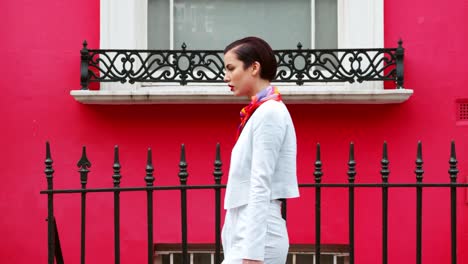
(276, 241)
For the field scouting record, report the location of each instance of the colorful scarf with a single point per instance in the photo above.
(269, 93)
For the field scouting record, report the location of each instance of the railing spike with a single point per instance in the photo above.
(419, 152)
(351, 164)
(83, 164)
(49, 171)
(453, 170)
(384, 162)
(183, 174)
(299, 45)
(452, 150)
(116, 154)
(419, 163)
(385, 152)
(149, 157)
(218, 152)
(149, 169)
(218, 173)
(84, 161)
(351, 151)
(48, 155)
(318, 165)
(116, 167)
(182, 153)
(318, 152)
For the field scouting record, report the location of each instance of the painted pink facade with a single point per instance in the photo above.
(40, 65)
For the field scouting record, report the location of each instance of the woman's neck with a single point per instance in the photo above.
(258, 86)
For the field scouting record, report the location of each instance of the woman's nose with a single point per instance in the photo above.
(226, 77)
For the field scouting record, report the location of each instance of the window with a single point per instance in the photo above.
(209, 24)
(204, 254)
(329, 258)
(176, 257)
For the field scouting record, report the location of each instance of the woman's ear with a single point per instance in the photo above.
(256, 68)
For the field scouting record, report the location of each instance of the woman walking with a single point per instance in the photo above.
(263, 160)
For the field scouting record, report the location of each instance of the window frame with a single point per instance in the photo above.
(129, 20)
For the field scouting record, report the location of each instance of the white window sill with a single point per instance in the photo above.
(216, 94)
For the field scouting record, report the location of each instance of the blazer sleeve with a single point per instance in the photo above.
(268, 135)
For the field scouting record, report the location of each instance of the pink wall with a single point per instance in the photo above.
(41, 65)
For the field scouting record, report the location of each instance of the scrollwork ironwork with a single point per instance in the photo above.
(206, 66)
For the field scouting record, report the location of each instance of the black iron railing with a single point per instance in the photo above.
(84, 164)
(206, 66)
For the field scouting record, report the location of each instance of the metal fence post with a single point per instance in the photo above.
(83, 165)
(419, 189)
(453, 171)
(149, 179)
(351, 178)
(84, 66)
(183, 174)
(49, 172)
(399, 56)
(384, 172)
(116, 178)
(218, 173)
(318, 179)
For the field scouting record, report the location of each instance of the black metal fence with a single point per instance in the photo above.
(206, 66)
(54, 249)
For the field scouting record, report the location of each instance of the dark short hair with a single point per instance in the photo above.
(252, 49)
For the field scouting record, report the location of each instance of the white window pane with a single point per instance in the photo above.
(326, 24)
(305, 258)
(202, 258)
(158, 24)
(212, 24)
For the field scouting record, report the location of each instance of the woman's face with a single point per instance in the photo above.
(240, 80)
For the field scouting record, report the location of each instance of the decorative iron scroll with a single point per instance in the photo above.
(206, 66)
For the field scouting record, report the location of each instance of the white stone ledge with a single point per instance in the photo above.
(220, 95)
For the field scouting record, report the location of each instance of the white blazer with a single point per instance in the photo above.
(263, 160)
(263, 168)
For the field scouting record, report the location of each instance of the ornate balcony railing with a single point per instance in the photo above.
(206, 66)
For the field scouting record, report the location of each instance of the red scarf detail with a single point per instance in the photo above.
(269, 93)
